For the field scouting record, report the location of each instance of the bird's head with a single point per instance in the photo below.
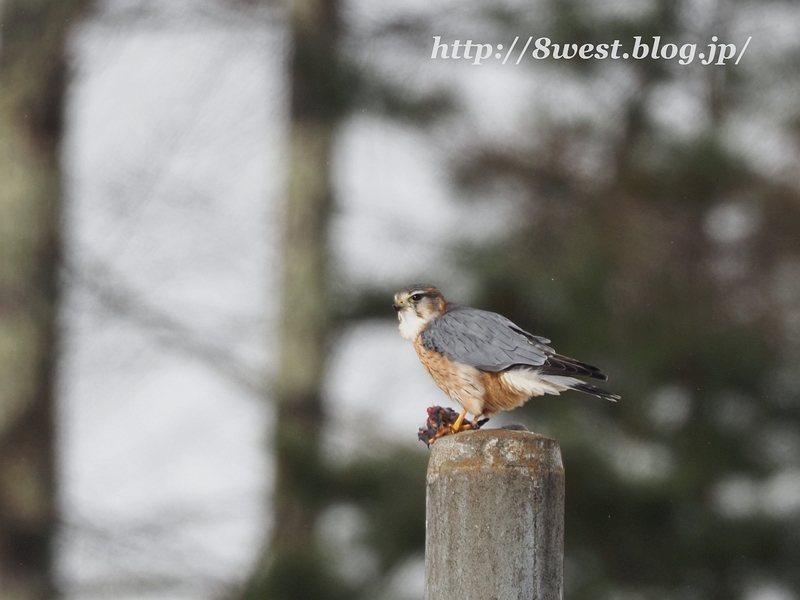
(416, 306)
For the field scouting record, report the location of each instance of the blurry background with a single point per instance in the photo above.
(206, 205)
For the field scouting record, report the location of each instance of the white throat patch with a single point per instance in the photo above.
(410, 324)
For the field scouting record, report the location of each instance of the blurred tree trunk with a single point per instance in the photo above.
(32, 76)
(291, 568)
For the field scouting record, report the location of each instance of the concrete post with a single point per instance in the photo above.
(495, 517)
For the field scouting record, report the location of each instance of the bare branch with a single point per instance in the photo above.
(121, 299)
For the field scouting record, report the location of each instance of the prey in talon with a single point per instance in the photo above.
(440, 423)
(482, 360)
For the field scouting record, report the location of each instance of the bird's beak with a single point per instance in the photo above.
(397, 307)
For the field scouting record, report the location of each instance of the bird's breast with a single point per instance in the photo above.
(463, 383)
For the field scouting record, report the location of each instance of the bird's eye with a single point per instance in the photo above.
(416, 298)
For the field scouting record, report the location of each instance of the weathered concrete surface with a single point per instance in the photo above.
(495, 517)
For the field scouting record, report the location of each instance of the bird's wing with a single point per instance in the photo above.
(485, 340)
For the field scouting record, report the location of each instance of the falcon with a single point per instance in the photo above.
(482, 360)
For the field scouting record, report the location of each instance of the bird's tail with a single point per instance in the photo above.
(564, 371)
(534, 382)
(587, 388)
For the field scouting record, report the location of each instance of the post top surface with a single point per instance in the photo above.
(494, 449)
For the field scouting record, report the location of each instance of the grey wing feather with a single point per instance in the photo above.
(485, 340)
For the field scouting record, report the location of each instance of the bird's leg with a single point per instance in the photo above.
(456, 427)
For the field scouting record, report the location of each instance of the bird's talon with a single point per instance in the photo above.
(445, 421)
(438, 435)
